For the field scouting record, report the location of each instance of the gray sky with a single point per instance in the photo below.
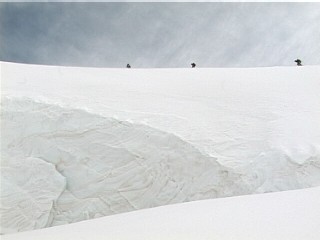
(160, 34)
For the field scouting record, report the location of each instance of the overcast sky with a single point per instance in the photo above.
(160, 34)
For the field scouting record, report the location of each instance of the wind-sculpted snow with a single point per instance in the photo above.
(80, 143)
(104, 166)
(287, 215)
(109, 166)
(29, 188)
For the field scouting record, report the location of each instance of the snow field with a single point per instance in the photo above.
(288, 215)
(117, 140)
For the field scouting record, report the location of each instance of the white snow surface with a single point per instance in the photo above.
(287, 215)
(81, 143)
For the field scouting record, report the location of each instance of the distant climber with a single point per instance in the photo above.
(128, 65)
(298, 61)
(193, 65)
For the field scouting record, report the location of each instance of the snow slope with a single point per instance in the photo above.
(289, 215)
(109, 166)
(117, 140)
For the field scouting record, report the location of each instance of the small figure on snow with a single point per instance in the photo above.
(298, 61)
(193, 65)
(128, 65)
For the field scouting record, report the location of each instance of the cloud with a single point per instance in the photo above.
(160, 34)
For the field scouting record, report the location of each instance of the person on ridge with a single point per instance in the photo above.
(193, 65)
(128, 65)
(298, 61)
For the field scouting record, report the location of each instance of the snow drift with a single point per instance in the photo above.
(110, 166)
(288, 215)
(80, 143)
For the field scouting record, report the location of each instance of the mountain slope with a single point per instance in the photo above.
(117, 140)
